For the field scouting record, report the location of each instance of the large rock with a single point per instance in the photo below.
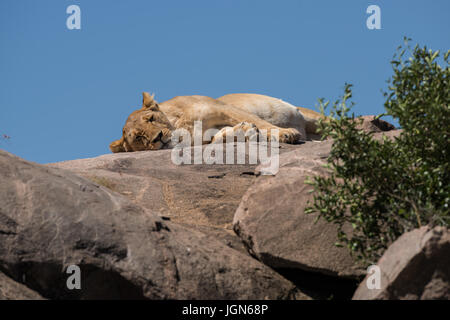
(415, 266)
(201, 197)
(51, 218)
(274, 227)
(272, 223)
(374, 124)
(12, 290)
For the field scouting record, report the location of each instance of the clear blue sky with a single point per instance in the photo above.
(65, 94)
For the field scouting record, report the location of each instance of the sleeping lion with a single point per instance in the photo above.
(151, 127)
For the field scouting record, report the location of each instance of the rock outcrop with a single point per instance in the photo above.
(51, 218)
(200, 197)
(272, 223)
(374, 124)
(141, 227)
(12, 290)
(416, 266)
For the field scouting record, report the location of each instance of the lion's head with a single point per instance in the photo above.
(145, 129)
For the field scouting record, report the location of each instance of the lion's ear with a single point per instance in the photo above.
(148, 102)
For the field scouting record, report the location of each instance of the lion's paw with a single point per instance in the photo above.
(243, 131)
(290, 135)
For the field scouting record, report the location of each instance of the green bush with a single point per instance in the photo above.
(383, 188)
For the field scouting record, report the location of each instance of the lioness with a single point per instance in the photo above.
(151, 127)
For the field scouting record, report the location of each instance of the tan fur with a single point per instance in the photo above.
(254, 103)
(150, 127)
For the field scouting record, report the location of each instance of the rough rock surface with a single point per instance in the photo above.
(51, 218)
(415, 266)
(12, 290)
(201, 197)
(371, 124)
(271, 220)
(272, 223)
